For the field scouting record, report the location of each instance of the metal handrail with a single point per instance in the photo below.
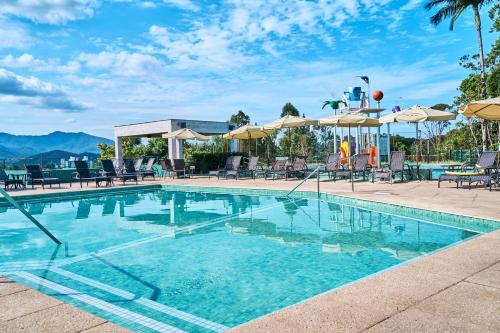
(29, 216)
(315, 171)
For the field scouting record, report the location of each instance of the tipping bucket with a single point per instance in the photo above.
(354, 93)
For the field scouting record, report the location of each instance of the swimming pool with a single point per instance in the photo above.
(166, 259)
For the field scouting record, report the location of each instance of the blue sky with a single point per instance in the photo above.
(86, 65)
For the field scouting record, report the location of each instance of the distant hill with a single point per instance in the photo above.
(53, 156)
(12, 146)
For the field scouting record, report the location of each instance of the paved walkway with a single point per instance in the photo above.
(456, 289)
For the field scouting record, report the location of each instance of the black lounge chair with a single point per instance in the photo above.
(479, 172)
(251, 170)
(332, 165)
(83, 174)
(297, 169)
(230, 161)
(278, 168)
(37, 176)
(148, 170)
(131, 168)
(138, 164)
(233, 169)
(11, 181)
(396, 165)
(359, 166)
(166, 168)
(110, 171)
(178, 168)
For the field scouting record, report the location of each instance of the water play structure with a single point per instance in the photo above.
(357, 100)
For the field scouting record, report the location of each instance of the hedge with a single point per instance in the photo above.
(204, 162)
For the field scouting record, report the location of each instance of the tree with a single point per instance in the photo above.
(453, 9)
(435, 129)
(240, 118)
(289, 110)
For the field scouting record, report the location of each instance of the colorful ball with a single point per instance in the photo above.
(378, 95)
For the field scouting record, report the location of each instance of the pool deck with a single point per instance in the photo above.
(456, 289)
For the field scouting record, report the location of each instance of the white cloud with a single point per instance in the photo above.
(27, 60)
(34, 92)
(49, 11)
(183, 4)
(13, 36)
(123, 63)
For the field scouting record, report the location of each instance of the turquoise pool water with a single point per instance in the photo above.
(172, 261)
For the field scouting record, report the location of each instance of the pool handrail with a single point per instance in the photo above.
(315, 171)
(29, 216)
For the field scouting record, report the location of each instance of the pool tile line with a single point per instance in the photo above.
(143, 301)
(102, 305)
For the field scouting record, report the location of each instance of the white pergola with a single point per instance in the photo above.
(157, 128)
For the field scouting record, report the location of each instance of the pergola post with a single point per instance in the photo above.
(119, 150)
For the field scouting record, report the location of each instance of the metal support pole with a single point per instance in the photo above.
(377, 139)
(389, 143)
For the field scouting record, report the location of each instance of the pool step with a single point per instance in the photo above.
(102, 305)
(205, 323)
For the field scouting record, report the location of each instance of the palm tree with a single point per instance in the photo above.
(452, 9)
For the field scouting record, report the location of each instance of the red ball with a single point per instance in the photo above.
(378, 95)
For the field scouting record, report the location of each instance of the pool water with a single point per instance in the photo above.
(173, 261)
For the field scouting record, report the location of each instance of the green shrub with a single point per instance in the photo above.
(204, 162)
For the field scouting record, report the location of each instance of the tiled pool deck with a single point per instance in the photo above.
(456, 289)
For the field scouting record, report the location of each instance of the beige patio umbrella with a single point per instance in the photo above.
(185, 134)
(417, 114)
(488, 109)
(248, 132)
(290, 122)
(350, 120)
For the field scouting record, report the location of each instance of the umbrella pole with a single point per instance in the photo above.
(349, 157)
(335, 139)
(290, 142)
(416, 151)
(389, 143)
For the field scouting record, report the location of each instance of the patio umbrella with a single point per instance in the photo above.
(416, 114)
(488, 109)
(289, 122)
(185, 134)
(247, 132)
(350, 120)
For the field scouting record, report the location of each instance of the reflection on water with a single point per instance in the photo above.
(226, 258)
(97, 223)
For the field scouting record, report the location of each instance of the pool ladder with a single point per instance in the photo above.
(314, 172)
(29, 216)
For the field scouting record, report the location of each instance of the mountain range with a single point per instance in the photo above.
(16, 146)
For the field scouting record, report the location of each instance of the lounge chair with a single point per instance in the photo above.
(148, 170)
(83, 174)
(359, 165)
(37, 176)
(278, 168)
(480, 172)
(232, 164)
(166, 168)
(132, 167)
(138, 164)
(332, 165)
(250, 171)
(178, 168)
(396, 165)
(11, 181)
(110, 171)
(297, 169)
(233, 169)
